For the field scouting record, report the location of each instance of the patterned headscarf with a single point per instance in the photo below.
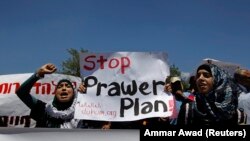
(221, 103)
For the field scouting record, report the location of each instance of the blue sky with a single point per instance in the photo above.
(34, 32)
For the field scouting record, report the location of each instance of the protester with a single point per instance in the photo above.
(242, 77)
(216, 99)
(57, 114)
(174, 85)
(192, 85)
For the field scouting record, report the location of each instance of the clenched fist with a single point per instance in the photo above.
(46, 69)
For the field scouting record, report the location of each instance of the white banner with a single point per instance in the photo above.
(227, 66)
(13, 112)
(124, 86)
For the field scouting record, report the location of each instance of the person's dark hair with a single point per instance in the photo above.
(205, 67)
(192, 83)
(176, 86)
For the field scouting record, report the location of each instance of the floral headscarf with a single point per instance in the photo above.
(221, 103)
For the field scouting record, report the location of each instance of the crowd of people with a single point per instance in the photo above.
(214, 97)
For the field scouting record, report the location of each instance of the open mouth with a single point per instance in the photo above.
(64, 95)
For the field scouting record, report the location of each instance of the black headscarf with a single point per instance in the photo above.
(59, 105)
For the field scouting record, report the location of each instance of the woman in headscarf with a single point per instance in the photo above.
(216, 99)
(56, 114)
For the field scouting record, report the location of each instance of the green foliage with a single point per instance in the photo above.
(174, 71)
(71, 66)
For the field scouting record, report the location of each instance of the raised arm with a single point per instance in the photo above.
(24, 91)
